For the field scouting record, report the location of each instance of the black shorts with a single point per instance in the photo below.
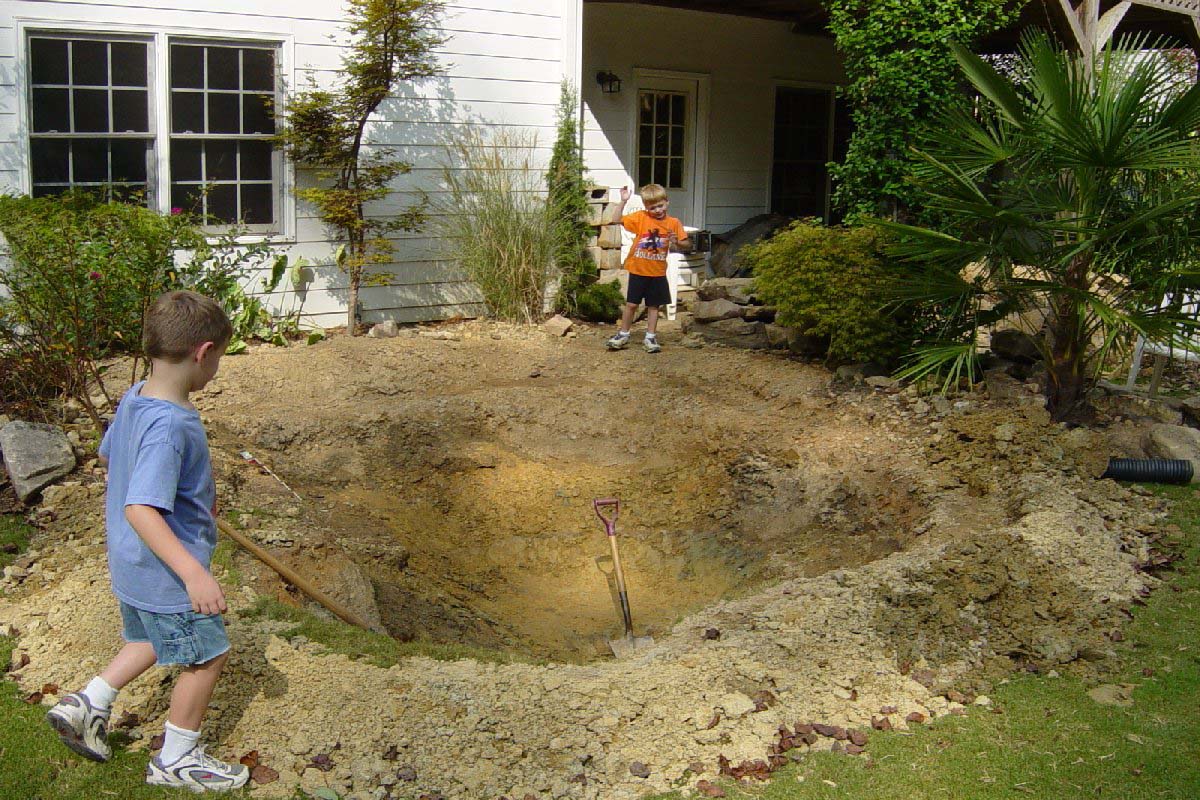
(653, 291)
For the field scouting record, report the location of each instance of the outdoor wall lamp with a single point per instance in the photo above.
(609, 83)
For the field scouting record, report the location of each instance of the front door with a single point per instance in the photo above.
(667, 143)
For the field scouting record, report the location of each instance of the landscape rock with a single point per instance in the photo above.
(1015, 346)
(734, 333)
(384, 330)
(35, 455)
(724, 259)
(707, 311)
(1174, 442)
(558, 325)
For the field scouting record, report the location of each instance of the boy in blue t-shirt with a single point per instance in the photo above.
(161, 523)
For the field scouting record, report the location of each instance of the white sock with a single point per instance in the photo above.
(100, 694)
(650, 337)
(623, 334)
(177, 743)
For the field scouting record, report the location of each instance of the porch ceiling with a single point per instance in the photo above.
(1160, 18)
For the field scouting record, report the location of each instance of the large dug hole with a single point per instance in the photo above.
(465, 492)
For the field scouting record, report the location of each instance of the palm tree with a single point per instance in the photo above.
(1071, 191)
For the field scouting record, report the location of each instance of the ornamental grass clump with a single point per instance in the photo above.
(494, 220)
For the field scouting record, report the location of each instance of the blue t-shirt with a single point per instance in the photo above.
(157, 456)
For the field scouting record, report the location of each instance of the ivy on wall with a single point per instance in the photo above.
(901, 72)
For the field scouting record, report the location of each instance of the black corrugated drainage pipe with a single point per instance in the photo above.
(1149, 470)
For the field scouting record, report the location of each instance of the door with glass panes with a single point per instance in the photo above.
(665, 141)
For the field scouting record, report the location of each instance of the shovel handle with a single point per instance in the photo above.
(610, 522)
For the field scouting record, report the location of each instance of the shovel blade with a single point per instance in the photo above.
(628, 645)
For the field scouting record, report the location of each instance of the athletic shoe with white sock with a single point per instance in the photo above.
(81, 726)
(198, 772)
(618, 341)
(651, 344)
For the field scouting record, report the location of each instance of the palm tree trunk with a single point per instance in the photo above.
(1066, 387)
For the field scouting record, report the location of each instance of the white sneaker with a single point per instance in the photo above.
(618, 341)
(81, 727)
(198, 772)
(651, 345)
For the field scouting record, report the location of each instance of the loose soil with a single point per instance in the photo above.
(801, 550)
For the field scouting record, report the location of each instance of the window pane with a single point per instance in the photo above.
(646, 104)
(49, 57)
(48, 191)
(51, 110)
(222, 203)
(224, 113)
(660, 141)
(660, 171)
(676, 140)
(187, 67)
(223, 68)
(662, 109)
(91, 110)
(187, 198)
(187, 112)
(645, 140)
(220, 160)
(128, 64)
(256, 114)
(50, 160)
(256, 161)
(129, 160)
(677, 109)
(185, 160)
(91, 160)
(258, 69)
(89, 63)
(644, 172)
(129, 111)
(676, 176)
(256, 203)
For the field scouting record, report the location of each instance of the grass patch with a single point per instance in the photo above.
(1050, 740)
(14, 538)
(34, 765)
(375, 648)
(223, 562)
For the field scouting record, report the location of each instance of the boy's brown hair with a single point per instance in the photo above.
(651, 193)
(179, 322)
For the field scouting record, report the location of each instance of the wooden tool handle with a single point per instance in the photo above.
(291, 576)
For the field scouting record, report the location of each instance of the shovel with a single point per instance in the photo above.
(628, 644)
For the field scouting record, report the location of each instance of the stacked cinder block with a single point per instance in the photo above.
(605, 245)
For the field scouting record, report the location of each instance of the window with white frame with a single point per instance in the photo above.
(93, 102)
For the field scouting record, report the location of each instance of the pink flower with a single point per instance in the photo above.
(176, 211)
(95, 275)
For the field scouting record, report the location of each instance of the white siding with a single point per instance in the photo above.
(745, 60)
(504, 60)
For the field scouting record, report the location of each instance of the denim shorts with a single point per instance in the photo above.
(184, 638)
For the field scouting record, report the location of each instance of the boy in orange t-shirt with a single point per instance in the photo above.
(655, 235)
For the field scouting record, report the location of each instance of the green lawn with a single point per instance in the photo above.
(1049, 741)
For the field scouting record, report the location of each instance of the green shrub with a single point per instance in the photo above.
(835, 282)
(567, 196)
(79, 277)
(600, 302)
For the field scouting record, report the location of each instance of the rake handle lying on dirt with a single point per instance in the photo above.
(610, 528)
(291, 576)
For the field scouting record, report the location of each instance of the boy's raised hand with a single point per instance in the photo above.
(624, 194)
(206, 594)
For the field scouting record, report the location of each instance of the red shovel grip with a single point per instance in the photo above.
(610, 523)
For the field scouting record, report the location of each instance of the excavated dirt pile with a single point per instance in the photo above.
(803, 551)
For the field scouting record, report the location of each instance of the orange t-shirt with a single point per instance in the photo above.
(648, 255)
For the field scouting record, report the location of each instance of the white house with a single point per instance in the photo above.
(731, 105)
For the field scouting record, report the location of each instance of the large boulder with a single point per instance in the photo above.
(739, 290)
(714, 310)
(734, 333)
(35, 455)
(1174, 442)
(724, 259)
(1015, 346)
